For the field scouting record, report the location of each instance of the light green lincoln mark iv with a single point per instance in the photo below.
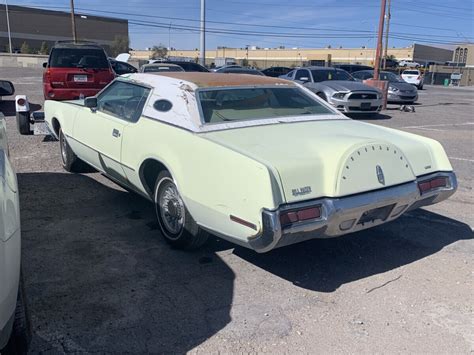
(259, 161)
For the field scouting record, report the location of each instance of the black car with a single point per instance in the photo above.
(122, 67)
(188, 66)
(240, 71)
(275, 72)
(351, 68)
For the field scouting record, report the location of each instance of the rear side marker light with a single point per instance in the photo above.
(21, 102)
(243, 222)
(428, 185)
(290, 217)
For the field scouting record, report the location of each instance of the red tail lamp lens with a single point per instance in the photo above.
(290, 217)
(21, 102)
(432, 184)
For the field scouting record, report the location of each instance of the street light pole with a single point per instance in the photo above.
(378, 53)
(389, 15)
(203, 32)
(73, 22)
(8, 27)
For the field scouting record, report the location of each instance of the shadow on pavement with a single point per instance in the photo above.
(326, 264)
(7, 107)
(369, 117)
(100, 278)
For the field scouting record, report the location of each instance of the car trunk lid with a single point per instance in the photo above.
(327, 158)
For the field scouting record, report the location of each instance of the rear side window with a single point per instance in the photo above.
(123, 100)
(78, 58)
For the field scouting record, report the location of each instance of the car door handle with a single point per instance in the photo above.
(116, 133)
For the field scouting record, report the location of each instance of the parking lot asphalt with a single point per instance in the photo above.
(99, 277)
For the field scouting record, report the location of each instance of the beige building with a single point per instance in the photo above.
(464, 54)
(267, 57)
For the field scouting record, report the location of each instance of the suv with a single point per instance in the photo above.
(76, 70)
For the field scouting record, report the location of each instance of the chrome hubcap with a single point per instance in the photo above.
(63, 148)
(171, 208)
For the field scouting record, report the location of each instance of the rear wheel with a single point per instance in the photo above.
(23, 123)
(176, 223)
(70, 160)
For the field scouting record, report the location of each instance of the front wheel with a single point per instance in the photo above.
(176, 223)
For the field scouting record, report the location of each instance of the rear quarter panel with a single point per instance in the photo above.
(214, 181)
(63, 112)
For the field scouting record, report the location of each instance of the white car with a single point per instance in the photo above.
(409, 64)
(414, 77)
(14, 330)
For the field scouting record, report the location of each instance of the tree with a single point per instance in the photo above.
(119, 45)
(159, 51)
(44, 48)
(25, 48)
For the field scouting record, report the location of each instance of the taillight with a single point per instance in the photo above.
(47, 76)
(305, 214)
(21, 102)
(433, 184)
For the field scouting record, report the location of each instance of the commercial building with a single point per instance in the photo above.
(464, 55)
(267, 57)
(35, 26)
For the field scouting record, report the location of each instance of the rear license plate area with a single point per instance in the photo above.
(365, 105)
(80, 78)
(376, 214)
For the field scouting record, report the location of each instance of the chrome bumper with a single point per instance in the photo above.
(337, 211)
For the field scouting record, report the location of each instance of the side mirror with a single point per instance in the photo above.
(45, 64)
(304, 79)
(90, 102)
(6, 88)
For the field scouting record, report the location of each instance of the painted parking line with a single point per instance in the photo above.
(441, 125)
(462, 159)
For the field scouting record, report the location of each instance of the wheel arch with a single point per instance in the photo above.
(148, 172)
(56, 125)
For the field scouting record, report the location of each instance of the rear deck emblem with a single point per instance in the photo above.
(380, 175)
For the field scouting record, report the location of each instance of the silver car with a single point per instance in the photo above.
(399, 91)
(337, 87)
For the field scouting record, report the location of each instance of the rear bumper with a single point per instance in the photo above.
(51, 93)
(344, 215)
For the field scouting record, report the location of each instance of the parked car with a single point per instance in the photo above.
(414, 77)
(389, 63)
(408, 64)
(160, 68)
(350, 68)
(259, 161)
(188, 66)
(399, 91)
(120, 68)
(224, 67)
(275, 72)
(75, 70)
(14, 327)
(338, 88)
(239, 71)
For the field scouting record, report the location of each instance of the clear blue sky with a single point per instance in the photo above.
(271, 23)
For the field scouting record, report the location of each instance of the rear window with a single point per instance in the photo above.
(78, 58)
(228, 105)
(161, 68)
(411, 72)
(324, 75)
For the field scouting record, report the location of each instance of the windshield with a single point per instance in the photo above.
(78, 58)
(224, 105)
(324, 75)
(392, 78)
(156, 68)
(411, 72)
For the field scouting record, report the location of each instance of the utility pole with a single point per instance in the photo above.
(169, 37)
(387, 28)
(73, 22)
(378, 53)
(8, 27)
(203, 33)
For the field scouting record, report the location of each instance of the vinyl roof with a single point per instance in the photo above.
(221, 79)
